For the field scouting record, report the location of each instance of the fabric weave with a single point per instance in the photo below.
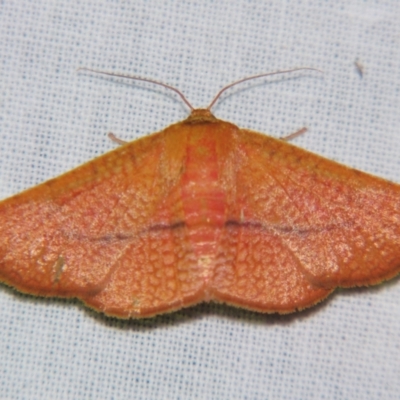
(53, 119)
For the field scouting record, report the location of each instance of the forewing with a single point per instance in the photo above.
(303, 225)
(101, 233)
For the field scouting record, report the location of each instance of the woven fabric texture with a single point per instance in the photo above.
(53, 119)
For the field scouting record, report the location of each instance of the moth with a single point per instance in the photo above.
(201, 211)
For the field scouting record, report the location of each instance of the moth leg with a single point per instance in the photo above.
(116, 140)
(294, 134)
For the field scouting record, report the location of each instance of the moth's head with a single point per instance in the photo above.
(199, 116)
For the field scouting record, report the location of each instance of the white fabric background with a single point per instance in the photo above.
(53, 119)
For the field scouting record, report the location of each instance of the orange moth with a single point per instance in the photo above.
(201, 211)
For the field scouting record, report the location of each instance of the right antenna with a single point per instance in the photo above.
(255, 77)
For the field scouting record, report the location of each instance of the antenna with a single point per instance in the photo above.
(139, 78)
(255, 77)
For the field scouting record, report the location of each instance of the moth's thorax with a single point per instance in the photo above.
(203, 192)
